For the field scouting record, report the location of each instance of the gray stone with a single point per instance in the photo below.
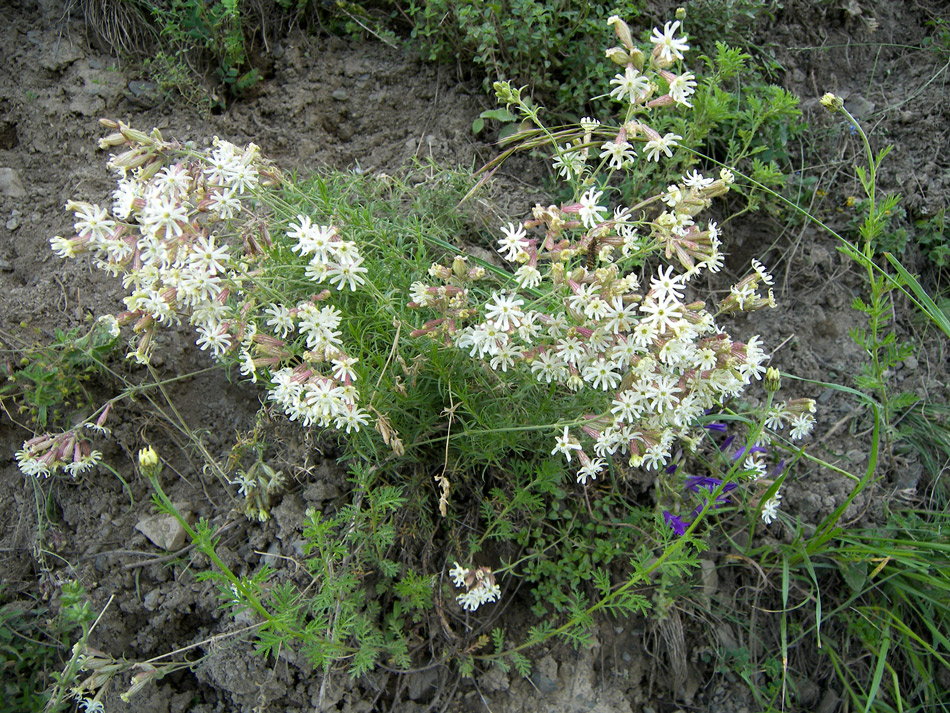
(165, 531)
(10, 184)
(544, 676)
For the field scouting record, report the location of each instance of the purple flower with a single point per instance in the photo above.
(715, 426)
(696, 483)
(676, 524)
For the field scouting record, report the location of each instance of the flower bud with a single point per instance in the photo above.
(773, 380)
(619, 56)
(832, 102)
(134, 136)
(506, 94)
(622, 30)
(637, 58)
(460, 266)
(114, 139)
(680, 13)
(148, 461)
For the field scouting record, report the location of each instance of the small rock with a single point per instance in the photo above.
(544, 676)
(270, 559)
(422, 685)
(10, 183)
(14, 221)
(143, 94)
(165, 531)
(859, 106)
(150, 600)
(340, 95)
(494, 680)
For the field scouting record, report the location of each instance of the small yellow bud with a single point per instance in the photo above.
(773, 379)
(148, 458)
(832, 102)
(680, 13)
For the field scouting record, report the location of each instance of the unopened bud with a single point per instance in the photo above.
(505, 93)
(680, 13)
(773, 380)
(637, 58)
(460, 266)
(832, 102)
(618, 55)
(114, 139)
(148, 460)
(622, 30)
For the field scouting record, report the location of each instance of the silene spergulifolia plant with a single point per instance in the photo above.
(601, 303)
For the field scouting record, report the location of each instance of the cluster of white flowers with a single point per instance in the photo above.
(661, 357)
(770, 508)
(44, 455)
(796, 413)
(175, 215)
(479, 583)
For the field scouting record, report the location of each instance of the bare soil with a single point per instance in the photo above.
(367, 107)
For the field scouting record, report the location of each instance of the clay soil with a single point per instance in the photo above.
(365, 106)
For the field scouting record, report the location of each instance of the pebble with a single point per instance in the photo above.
(165, 531)
(10, 183)
(14, 221)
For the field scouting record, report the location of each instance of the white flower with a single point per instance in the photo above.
(631, 85)
(662, 314)
(343, 367)
(123, 199)
(762, 272)
(225, 204)
(281, 320)
(770, 509)
(514, 242)
(243, 178)
(694, 179)
(568, 163)
(528, 276)
(665, 286)
(670, 47)
(666, 144)
(682, 88)
(208, 257)
(565, 444)
(588, 124)
(351, 419)
(173, 180)
(164, 212)
(347, 274)
(458, 574)
(620, 154)
(801, 426)
(602, 374)
(214, 337)
(590, 213)
(505, 311)
(312, 239)
(91, 220)
(591, 470)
